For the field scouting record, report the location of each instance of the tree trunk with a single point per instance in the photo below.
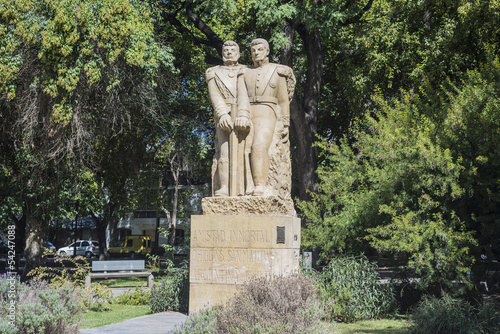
(175, 166)
(304, 110)
(101, 237)
(111, 222)
(33, 249)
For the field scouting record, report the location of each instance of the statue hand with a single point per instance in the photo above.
(225, 123)
(242, 124)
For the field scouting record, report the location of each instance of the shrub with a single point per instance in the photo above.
(172, 292)
(44, 309)
(137, 296)
(6, 327)
(75, 274)
(455, 316)
(203, 322)
(96, 297)
(8, 283)
(279, 305)
(350, 290)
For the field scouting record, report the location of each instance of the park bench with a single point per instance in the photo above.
(123, 268)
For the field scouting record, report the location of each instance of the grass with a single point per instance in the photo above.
(117, 313)
(382, 326)
(122, 282)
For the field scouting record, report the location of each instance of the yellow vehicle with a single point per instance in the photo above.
(132, 246)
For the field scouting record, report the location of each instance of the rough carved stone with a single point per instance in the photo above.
(248, 205)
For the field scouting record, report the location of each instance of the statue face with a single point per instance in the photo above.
(259, 52)
(230, 53)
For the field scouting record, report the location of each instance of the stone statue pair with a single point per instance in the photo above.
(252, 117)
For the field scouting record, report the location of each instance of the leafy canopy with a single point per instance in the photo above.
(75, 42)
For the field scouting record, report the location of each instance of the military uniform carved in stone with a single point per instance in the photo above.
(222, 86)
(264, 93)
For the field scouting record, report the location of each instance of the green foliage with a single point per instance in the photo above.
(172, 293)
(95, 297)
(76, 43)
(74, 274)
(8, 284)
(470, 129)
(351, 291)
(455, 316)
(137, 296)
(393, 184)
(203, 322)
(273, 305)
(45, 309)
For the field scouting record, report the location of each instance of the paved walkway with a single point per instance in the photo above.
(159, 323)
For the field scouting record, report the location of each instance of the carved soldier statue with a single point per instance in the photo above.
(222, 87)
(264, 93)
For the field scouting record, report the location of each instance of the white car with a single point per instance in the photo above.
(87, 248)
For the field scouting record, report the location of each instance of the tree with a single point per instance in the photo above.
(71, 70)
(393, 187)
(424, 189)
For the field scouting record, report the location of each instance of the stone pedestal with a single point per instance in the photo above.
(226, 250)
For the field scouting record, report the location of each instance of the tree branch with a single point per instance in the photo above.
(356, 18)
(212, 40)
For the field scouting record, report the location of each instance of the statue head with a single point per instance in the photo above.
(260, 50)
(230, 53)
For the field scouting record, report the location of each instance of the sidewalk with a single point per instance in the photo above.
(159, 323)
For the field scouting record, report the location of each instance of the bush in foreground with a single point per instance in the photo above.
(455, 316)
(42, 309)
(279, 305)
(351, 290)
(203, 322)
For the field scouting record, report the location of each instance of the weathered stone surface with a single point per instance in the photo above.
(247, 229)
(228, 250)
(248, 205)
(252, 117)
(221, 81)
(264, 93)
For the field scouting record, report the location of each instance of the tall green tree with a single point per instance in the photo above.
(424, 189)
(70, 71)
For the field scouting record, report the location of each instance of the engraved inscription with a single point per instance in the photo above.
(222, 236)
(224, 276)
(249, 236)
(231, 255)
(209, 235)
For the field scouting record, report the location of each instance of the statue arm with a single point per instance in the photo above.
(286, 89)
(216, 97)
(221, 109)
(284, 102)
(243, 117)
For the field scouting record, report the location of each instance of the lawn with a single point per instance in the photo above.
(117, 313)
(122, 282)
(382, 326)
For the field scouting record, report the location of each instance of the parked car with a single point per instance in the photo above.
(87, 248)
(132, 246)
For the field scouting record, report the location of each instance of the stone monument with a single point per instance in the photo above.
(247, 228)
